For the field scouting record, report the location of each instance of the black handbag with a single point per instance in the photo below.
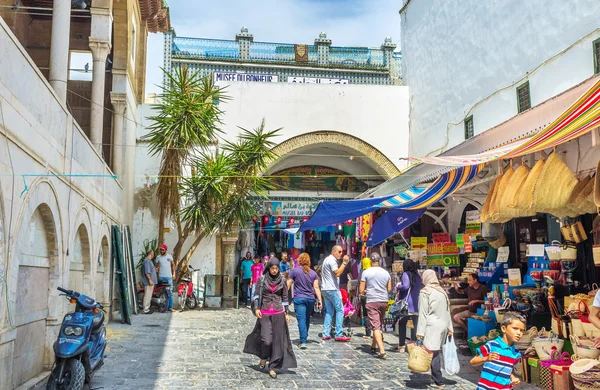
(399, 309)
(257, 299)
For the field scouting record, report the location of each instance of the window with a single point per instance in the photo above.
(469, 129)
(596, 46)
(523, 97)
(80, 65)
(133, 42)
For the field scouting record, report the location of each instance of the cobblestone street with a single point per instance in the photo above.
(203, 349)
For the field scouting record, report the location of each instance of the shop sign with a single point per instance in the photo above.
(503, 253)
(442, 248)
(314, 80)
(418, 243)
(468, 243)
(441, 237)
(290, 209)
(317, 178)
(417, 255)
(460, 243)
(401, 250)
(444, 260)
(473, 223)
(246, 77)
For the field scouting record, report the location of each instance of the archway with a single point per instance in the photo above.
(102, 271)
(359, 149)
(80, 262)
(38, 265)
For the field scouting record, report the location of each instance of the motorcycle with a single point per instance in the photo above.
(185, 291)
(160, 297)
(79, 349)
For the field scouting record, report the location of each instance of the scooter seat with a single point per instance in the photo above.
(97, 321)
(185, 280)
(163, 283)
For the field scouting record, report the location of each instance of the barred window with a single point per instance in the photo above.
(469, 129)
(523, 97)
(596, 46)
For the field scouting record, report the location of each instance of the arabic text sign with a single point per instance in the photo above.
(313, 80)
(441, 237)
(290, 209)
(442, 248)
(418, 243)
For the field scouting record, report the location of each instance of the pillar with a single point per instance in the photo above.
(119, 103)
(100, 46)
(244, 39)
(323, 44)
(59, 48)
(228, 242)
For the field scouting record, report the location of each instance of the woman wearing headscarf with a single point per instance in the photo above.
(409, 289)
(435, 322)
(270, 339)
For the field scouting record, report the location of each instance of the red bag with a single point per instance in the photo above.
(546, 377)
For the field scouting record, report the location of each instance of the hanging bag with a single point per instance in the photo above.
(568, 251)
(559, 321)
(451, 363)
(399, 309)
(419, 357)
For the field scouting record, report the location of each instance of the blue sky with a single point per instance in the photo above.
(346, 22)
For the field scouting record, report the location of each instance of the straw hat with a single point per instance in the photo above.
(508, 203)
(525, 196)
(554, 185)
(495, 206)
(485, 210)
(583, 365)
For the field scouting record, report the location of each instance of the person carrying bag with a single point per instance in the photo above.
(407, 305)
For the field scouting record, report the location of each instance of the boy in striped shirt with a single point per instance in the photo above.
(499, 356)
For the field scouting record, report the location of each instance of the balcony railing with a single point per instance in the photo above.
(281, 53)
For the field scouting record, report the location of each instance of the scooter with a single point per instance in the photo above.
(185, 291)
(79, 349)
(160, 298)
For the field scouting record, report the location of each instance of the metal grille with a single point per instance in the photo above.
(523, 97)
(597, 56)
(469, 128)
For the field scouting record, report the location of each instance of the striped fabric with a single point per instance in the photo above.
(579, 119)
(496, 374)
(443, 187)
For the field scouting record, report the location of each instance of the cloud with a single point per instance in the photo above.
(346, 22)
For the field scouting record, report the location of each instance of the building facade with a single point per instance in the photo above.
(343, 113)
(69, 90)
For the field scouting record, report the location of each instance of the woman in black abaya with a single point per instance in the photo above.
(270, 339)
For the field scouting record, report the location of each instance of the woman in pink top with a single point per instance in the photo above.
(270, 339)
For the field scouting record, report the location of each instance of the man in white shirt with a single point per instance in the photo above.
(330, 288)
(166, 271)
(376, 284)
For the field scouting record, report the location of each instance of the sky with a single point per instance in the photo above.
(346, 22)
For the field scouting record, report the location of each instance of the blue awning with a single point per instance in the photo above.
(331, 212)
(393, 221)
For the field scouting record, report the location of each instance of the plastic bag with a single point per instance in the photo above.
(451, 363)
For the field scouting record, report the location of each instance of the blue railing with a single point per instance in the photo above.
(215, 49)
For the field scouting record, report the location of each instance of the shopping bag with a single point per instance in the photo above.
(419, 357)
(451, 363)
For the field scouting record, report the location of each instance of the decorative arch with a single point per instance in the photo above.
(381, 163)
(438, 220)
(35, 269)
(79, 259)
(103, 266)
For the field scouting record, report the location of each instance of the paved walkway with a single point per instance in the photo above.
(203, 349)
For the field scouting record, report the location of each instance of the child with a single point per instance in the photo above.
(498, 356)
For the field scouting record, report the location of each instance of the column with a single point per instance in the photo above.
(99, 41)
(119, 103)
(323, 44)
(244, 39)
(228, 242)
(59, 48)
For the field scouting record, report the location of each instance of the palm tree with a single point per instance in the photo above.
(188, 119)
(216, 197)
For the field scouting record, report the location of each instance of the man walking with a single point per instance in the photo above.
(148, 280)
(246, 276)
(330, 287)
(376, 284)
(285, 266)
(166, 271)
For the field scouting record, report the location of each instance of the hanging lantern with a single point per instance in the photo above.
(349, 222)
(304, 219)
(278, 220)
(266, 220)
(292, 221)
(255, 218)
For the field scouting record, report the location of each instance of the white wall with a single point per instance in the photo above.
(378, 115)
(467, 57)
(52, 151)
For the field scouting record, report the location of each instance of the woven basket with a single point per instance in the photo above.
(588, 193)
(585, 374)
(577, 201)
(590, 330)
(597, 187)
(496, 206)
(419, 359)
(525, 197)
(485, 210)
(545, 345)
(508, 201)
(584, 348)
(554, 185)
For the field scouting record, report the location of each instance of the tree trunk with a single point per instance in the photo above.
(161, 226)
(183, 264)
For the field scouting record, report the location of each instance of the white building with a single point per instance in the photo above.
(62, 161)
(358, 128)
(483, 74)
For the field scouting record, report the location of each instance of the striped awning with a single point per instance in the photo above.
(579, 119)
(444, 186)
